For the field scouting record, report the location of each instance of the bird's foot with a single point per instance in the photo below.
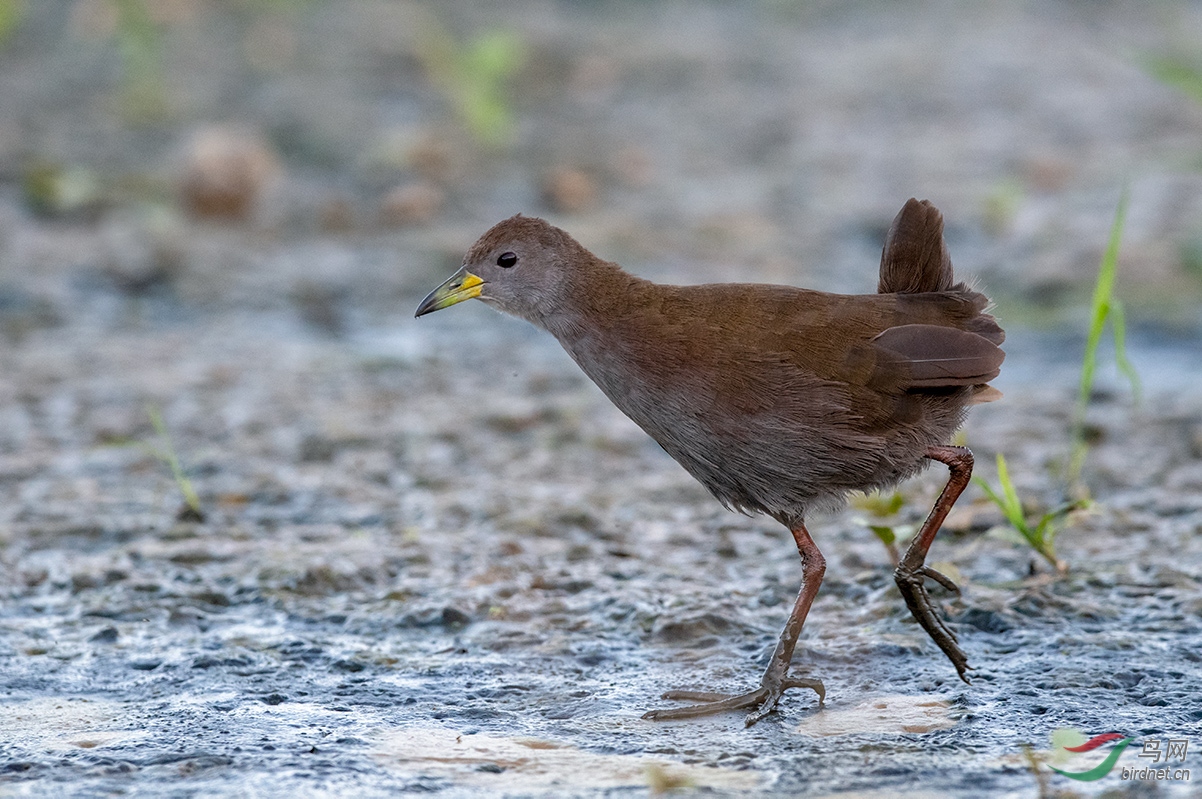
(910, 581)
(762, 699)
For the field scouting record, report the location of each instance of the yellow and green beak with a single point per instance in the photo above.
(462, 285)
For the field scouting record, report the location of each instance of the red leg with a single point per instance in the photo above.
(776, 679)
(912, 570)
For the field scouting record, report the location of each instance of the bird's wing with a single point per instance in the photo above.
(919, 356)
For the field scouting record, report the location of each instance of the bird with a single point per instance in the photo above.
(779, 400)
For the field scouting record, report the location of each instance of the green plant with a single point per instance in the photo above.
(1002, 204)
(1177, 71)
(1105, 306)
(473, 75)
(53, 189)
(166, 454)
(139, 40)
(881, 506)
(1042, 535)
(11, 14)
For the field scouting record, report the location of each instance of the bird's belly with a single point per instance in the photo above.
(787, 464)
(805, 448)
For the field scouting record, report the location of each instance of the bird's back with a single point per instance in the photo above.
(779, 399)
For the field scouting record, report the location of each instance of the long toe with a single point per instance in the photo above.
(942, 579)
(708, 706)
(763, 700)
(695, 696)
(923, 609)
(814, 685)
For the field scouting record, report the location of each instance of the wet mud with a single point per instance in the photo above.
(396, 590)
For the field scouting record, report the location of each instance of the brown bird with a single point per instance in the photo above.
(779, 400)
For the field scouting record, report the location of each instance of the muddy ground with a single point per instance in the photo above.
(433, 558)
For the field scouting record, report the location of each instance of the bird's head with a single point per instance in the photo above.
(523, 266)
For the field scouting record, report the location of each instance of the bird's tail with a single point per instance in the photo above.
(915, 261)
(915, 258)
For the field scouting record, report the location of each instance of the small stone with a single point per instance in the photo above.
(187, 513)
(432, 158)
(569, 190)
(336, 215)
(410, 204)
(225, 173)
(106, 636)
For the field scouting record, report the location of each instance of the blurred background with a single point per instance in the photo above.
(263, 533)
(331, 159)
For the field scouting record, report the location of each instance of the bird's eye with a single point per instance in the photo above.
(507, 259)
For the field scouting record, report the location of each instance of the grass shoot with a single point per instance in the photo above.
(1179, 72)
(165, 452)
(882, 505)
(473, 75)
(1041, 535)
(1105, 306)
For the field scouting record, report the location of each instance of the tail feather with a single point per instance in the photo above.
(915, 259)
(956, 350)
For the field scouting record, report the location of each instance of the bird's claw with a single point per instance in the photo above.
(910, 581)
(763, 700)
(941, 578)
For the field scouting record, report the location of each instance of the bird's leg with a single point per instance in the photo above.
(776, 679)
(911, 571)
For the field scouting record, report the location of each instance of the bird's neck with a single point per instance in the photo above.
(596, 302)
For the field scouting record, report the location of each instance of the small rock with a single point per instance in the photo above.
(436, 617)
(141, 251)
(106, 636)
(987, 621)
(225, 173)
(185, 615)
(693, 630)
(187, 513)
(433, 158)
(569, 190)
(214, 598)
(84, 582)
(336, 215)
(415, 203)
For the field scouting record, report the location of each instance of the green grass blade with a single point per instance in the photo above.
(12, 12)
(1101, 308)
(1118, 323)
(1177, 72)
(1012, 506)
(1042, 535)
(168, 456)
(474, 75)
